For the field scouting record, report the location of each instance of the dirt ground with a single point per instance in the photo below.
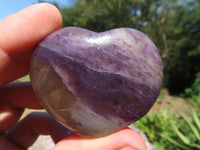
(172, 103)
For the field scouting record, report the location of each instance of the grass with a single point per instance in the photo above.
(23, 79)
(172, 131)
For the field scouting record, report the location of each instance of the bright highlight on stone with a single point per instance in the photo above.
(96, 83)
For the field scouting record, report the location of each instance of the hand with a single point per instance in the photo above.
(19, 35)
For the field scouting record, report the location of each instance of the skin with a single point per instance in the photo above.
(20, 33)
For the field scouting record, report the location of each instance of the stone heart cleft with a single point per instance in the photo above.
(96, 83)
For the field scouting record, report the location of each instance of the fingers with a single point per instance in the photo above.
(20, 33)
(26, 132)
(8, 116)
(20, 95)
(123, 139)
(24, 29)
(13, 99)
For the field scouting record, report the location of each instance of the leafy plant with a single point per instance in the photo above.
(184, 139)
(156, 127)
(193, 93)
(172, 132)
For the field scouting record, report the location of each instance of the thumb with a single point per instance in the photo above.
(123, 139)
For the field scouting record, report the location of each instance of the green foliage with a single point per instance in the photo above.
(156, 127)
(173, 25)
(99, 15)
(172, 132)
(193, 93)
(178, 26)
(189, 139)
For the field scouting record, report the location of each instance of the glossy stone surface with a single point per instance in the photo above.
(96, 83)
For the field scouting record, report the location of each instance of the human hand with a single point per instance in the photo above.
(19, 35)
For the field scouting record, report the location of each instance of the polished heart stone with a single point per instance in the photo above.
(96, 83)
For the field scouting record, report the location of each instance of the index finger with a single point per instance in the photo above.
(19, 35)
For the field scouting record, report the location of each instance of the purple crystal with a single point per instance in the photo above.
(96, 83)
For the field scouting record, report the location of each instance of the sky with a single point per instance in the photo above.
(8, 7)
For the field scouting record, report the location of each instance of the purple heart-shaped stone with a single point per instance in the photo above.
(96, 83)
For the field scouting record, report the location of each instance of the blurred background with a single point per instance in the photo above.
(174, 27)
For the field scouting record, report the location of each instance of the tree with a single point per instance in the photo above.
(173, 25)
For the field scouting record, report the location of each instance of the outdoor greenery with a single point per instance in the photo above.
(192, 93)
(169, 131)
(174, 26)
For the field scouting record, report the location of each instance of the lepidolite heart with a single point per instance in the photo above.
(96, 83)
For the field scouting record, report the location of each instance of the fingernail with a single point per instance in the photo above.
(127, 148)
